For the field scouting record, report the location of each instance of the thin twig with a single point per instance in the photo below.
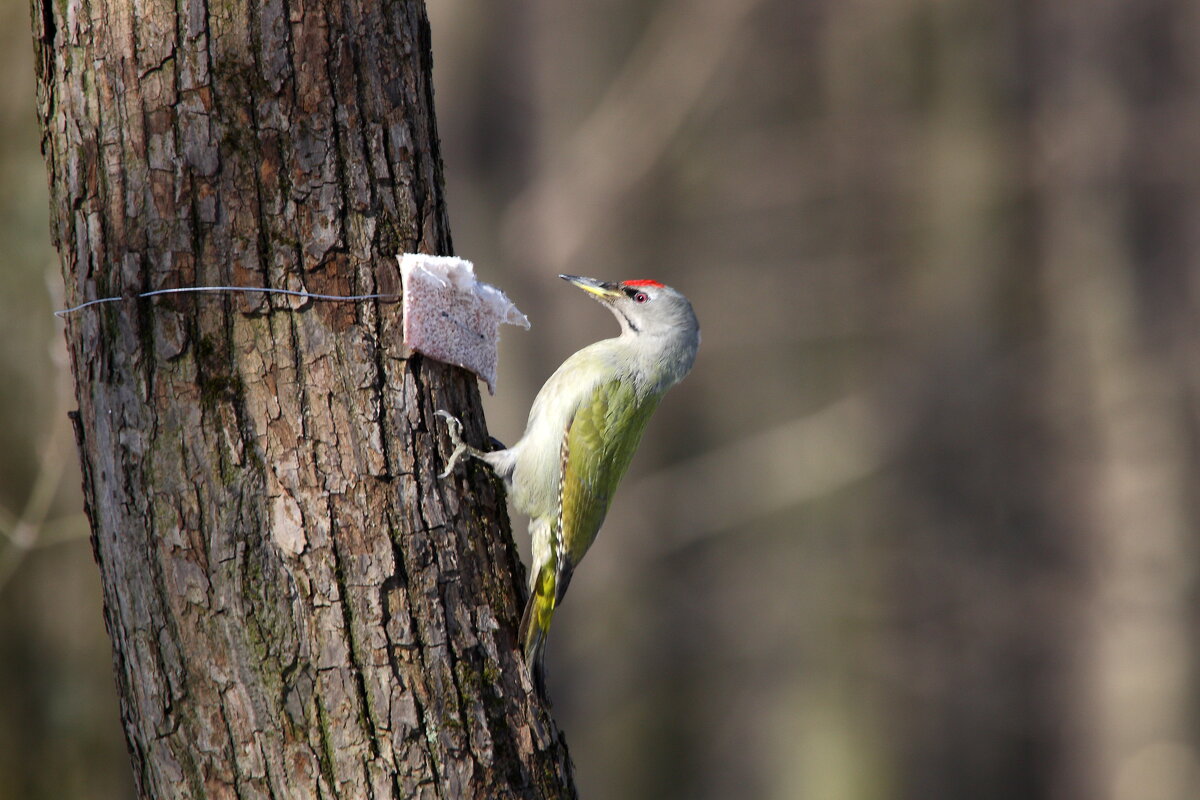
(25, 532)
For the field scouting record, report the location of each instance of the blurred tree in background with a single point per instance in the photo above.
(920, 523)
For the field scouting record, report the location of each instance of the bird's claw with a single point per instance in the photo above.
(454, 429)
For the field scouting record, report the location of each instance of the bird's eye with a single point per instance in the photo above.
(641, 297)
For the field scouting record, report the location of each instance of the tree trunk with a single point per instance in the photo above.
(298, 606)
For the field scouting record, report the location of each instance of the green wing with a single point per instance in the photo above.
(598, 445)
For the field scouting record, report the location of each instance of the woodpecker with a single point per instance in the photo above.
(583, 429)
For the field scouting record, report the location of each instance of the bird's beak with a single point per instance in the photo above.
(601, 290)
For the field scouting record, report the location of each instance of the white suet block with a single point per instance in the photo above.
(450, 316)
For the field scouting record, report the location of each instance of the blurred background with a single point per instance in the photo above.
(922, 521)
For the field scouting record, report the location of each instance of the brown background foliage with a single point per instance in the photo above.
(920, 524)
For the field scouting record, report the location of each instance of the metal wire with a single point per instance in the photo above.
(218, 289)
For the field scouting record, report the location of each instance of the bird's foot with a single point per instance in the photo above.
(454, 429)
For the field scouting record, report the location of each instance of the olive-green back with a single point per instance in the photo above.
(600, 443)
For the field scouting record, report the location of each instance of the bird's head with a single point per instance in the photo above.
(644, 307)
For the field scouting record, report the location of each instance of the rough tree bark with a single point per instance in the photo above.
(298, 607)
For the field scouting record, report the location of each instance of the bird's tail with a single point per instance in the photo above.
(535, 626)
